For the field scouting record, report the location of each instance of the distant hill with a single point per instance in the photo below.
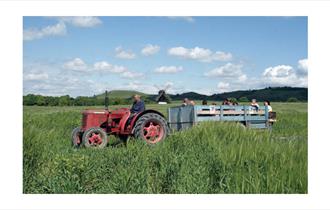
(124, 94)
(270, 93)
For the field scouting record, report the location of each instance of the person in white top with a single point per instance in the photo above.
(254, 105)
(187, 102)
(267, 103)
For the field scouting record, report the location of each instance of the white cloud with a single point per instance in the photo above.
(121, 53)
(63, 85)
(168, 85)
(134, 85)
(107, 67)
(200, 54)
(58, 29)
(194, 53)
(283, 75)
(152, 88)
(184, 18)
(231, 77)
(139, 86)
(168, 69)
(233, 85)
(131, 75)
(222, 56)
(35, 76)
(281, 71)
(76, 64)
(150, 50)
(223, 87)
(303, 66)
(79, 65)
(52, 79)
(104, 67)
(228, 71)
(48, 79)
(82, 21)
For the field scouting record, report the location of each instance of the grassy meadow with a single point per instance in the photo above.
(213, 157)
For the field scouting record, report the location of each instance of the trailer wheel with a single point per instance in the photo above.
(151, 127)
(76, 137)
(95, 137)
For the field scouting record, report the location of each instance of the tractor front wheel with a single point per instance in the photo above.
(95, 137)
(151, 127)
(76, 137)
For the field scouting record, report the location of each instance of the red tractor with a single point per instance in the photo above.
(149, 125)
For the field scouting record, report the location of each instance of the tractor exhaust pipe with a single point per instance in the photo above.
(106, 101)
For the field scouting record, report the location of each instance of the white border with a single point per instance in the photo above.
(11, 13)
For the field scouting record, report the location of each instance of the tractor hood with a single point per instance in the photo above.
(94, 118)
(120, 111)
(95, 111)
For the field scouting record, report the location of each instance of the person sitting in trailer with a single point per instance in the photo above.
(187, 102)
(267, 104)
(226, 102)
(233, 102)
(254, 105)
(271, 114)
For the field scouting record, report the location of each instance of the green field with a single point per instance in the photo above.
(213, 157)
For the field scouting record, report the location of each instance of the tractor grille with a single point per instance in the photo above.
(84, 120)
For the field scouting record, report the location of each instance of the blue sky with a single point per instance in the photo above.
(87, 55)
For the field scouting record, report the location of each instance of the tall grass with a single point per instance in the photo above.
(209, 158)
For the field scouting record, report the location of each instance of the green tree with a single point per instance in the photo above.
(233, 100)
(243, 99)
(64, 100)
(293, 99)
(29, 100)
(40, 100)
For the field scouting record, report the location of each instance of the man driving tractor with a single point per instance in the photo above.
(138, 104)
(137, 107)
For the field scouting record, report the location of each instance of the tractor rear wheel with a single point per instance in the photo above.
(151, 127)
(76, 137)
(95, 137)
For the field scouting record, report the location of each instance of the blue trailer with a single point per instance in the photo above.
(182, 117)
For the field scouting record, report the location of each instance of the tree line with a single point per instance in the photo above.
(66, 100)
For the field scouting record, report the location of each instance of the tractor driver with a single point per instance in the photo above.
(137, 107)
(138, 104)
